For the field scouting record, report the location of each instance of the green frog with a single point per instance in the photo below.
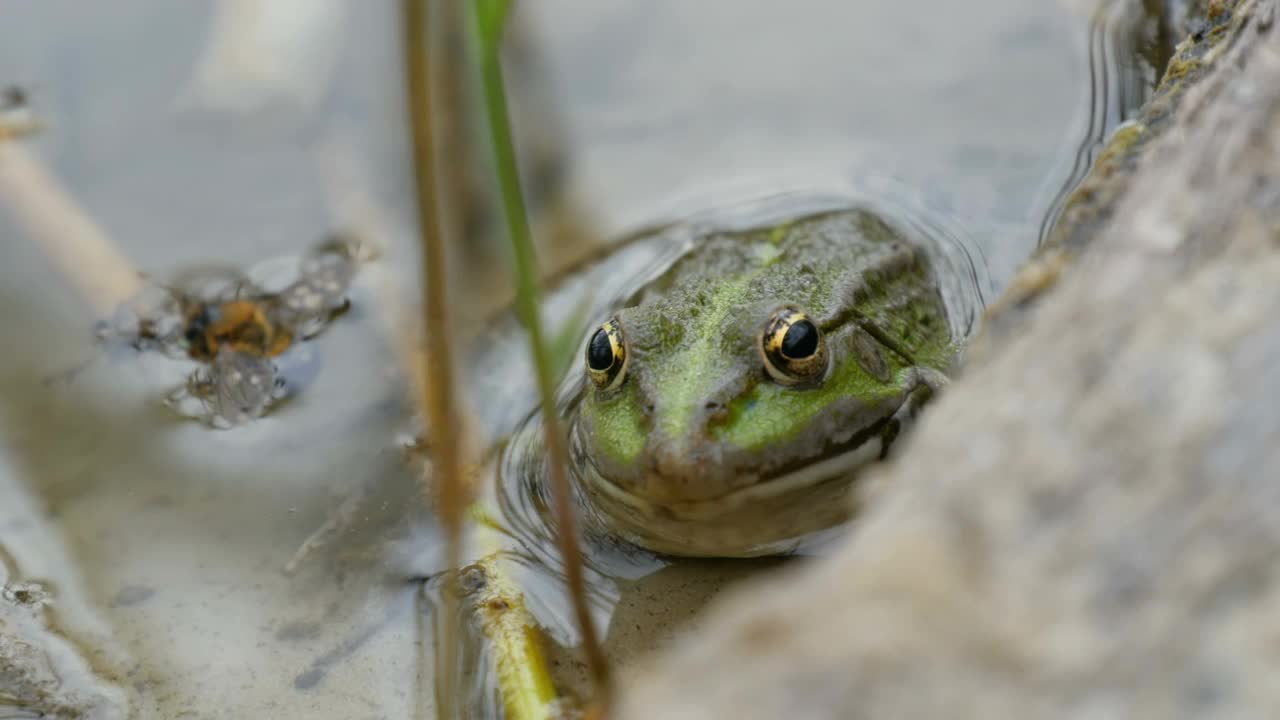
(743, 366)
(744, 369)
(729, 400)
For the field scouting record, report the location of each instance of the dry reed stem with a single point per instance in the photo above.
(78, 247)
(438, 391)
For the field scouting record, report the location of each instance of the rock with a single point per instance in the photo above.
(1086, 524)
(53, 644)
(1205, 24)
(41, 674)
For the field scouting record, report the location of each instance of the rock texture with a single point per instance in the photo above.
(41, 674)
(1088, 523)
(1208, 27)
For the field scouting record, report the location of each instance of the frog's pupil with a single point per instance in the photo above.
(599, 351)
(801, 340)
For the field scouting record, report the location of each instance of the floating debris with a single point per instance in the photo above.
(234, 328)
(27, 594)
(16, 117)
(233, 389)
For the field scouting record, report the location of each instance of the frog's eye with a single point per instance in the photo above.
(793, 349)
(607, 356)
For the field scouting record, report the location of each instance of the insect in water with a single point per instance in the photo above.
(243, 326)
(235, 328)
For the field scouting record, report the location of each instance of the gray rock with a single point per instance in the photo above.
(1087, 524)
(43, 675)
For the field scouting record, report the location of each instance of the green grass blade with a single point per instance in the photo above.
(487, 23)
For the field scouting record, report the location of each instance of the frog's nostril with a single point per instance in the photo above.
(716, 411)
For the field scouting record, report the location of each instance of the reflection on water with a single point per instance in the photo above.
(1128, 47)
(165, 543)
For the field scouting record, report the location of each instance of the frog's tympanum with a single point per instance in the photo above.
(729, 401)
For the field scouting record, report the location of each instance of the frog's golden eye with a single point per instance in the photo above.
(793, 348)
(607, 356)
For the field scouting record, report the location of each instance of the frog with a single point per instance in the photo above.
(729, 403)
(732, 375)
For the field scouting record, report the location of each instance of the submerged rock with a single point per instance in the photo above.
(1203, 26)
(41, 674)
(1086, 524)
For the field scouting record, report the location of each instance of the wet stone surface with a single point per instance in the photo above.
(42, 675)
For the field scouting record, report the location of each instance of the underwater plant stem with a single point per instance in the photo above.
(437, 397)
(524, 678)
(488, 21)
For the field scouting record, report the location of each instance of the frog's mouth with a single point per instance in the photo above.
(771, 516)
(833, 465)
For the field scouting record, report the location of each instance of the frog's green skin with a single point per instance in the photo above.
(698, 451)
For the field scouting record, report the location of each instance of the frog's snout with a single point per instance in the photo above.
(680, 472)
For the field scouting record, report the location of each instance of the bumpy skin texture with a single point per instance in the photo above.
(697, 417)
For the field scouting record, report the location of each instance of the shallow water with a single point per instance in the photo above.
(163, 541)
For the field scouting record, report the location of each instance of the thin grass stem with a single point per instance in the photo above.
(487, 20)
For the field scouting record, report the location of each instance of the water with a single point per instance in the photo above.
(164, 542)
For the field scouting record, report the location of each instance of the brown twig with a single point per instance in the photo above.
(438, 397)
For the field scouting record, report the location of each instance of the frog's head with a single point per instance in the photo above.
(720, 411)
